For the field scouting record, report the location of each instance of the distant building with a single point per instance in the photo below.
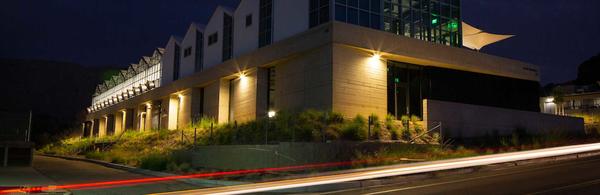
(575, 100)
(365, 57)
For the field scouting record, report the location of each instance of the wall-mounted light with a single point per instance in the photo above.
(549, 100)
(374, 60)
(242, 76)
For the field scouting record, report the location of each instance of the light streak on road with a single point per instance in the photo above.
(396, 170)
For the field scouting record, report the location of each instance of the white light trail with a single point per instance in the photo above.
(396, 170)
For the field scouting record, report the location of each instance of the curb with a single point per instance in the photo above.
(191, 181)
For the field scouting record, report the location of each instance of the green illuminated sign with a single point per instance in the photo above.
(434, 21)
(453, 25)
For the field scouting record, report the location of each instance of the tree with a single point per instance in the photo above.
(588, 72)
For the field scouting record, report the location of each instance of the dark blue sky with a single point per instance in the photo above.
(557, 35)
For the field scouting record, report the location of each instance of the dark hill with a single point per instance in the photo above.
(56, 92)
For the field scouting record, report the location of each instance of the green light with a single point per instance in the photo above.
(397, 80)
(434, 21)
(453, 25)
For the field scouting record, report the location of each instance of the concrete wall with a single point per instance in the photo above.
(216, 101)
(167, 62)
(304, 82)
(243, 98)
(359, 82)
(236, 157)
(290, 17)
(119, 122)
(188, 64)
(213, 53)
(465, 120)
(245, 38)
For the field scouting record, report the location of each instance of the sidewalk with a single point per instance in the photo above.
(23, 176)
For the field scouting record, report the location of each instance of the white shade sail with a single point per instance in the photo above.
(476, 39)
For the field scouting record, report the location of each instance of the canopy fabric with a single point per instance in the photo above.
(476, 39)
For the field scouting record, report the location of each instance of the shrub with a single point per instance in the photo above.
(356, 130)
(156, 162)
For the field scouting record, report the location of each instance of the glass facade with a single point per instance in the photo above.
(198, 55)
(409, 84)
(366, 13)
(271, 88)
(318, 12)
(136, 80)
(430, 20)
(265, 23)
(227, 37)
(176, 62)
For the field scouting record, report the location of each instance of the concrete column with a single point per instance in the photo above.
(148, 119)
(118, 118)
(173, 112)
(5, 158)
(185, 109)
(102, 126)
(223, 101)
(83, 129)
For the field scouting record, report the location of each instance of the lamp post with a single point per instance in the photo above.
(271, 114)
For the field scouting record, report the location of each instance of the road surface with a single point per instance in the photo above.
(62, 172)
(581, 176)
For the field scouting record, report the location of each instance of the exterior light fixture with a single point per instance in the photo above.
(376, 56)
(89, 110)
(374, 60)
(271, 114)
(243, 76)
(549, 99)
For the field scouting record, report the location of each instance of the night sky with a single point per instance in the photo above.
(557, 35)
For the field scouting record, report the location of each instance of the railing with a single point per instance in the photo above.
(438, 126)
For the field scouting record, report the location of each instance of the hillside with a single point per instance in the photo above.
(56, 92)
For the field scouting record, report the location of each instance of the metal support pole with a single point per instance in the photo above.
(194, 138)
(267, 132)
(29, 127)
(211, 132)
(5, 161)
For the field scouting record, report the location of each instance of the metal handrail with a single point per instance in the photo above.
(439, 125)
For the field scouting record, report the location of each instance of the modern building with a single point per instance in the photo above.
(398, 57)
(577, 101)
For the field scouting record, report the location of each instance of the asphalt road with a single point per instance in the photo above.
(581, 176)
(64, 172)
